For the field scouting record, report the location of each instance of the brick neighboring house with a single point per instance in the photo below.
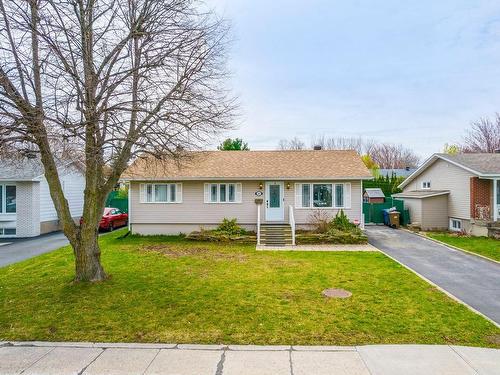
(456, 192)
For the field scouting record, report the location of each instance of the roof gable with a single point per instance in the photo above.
(480, 164)
(324, 164)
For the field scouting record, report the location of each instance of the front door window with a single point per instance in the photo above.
(274, 201)
(274, 196)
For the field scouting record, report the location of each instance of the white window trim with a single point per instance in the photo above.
(238, 189)
(424, 187)
(456, 229)
(3, 202)
(178, 193)
(345, 206)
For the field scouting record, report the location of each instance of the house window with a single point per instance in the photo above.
(222, 193)
(339, 195)
(161, 193)
(8, 199)
(306, 195)
(426, 185)
(455, 225)
(322, 195)
(7, 232)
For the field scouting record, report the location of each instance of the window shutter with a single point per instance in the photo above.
(239, 192)
(347, 195)
(206, 193)
(142, 193)
(178, 193)
(298, 195)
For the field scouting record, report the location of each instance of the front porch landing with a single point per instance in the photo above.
(325, 247)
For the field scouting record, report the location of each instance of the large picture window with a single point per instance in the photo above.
(8, 199)
(223, 193)
(321, 195)
(161, 193)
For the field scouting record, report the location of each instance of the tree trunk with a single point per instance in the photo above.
(88, 258)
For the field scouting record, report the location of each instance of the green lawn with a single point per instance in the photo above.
(488, 247)
(165, 289)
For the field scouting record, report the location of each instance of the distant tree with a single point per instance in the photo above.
(236, 144)
(392, 156)
(291, 144)
(340, 143)
(484, 136)
(371, 165)
(451, 149)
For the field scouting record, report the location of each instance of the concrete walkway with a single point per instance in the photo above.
(170, 359)
(471, 279)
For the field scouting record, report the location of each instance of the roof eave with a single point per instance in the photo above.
(215, 178)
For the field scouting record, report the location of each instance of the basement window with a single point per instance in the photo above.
(455, 225)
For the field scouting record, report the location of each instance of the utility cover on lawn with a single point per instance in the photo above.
(336, 293)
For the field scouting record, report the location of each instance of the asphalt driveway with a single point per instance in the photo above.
(474, 280)
(16, 250)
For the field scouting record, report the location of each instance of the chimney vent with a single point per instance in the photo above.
(317, 148)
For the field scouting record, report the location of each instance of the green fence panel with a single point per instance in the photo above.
(374, 211)
(117, 202)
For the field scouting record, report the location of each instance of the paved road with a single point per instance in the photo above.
(117, 359)
(474, 280)
(16, 250)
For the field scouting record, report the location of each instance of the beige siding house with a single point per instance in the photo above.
(256, 187)
(456, 192)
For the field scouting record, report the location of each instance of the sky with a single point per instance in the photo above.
(415, 73)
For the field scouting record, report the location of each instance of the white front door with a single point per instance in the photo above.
(274, 201)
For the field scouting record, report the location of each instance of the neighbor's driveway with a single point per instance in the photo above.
(473, 280)
(25, 248)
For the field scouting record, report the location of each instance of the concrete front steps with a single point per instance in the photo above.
(275, 234)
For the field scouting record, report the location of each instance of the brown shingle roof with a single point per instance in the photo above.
(308, 164)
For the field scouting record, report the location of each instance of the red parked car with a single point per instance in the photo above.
(111, 219)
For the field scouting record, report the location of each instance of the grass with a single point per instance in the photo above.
(488, 247)
(166, 289)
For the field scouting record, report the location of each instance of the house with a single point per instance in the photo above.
(373, 195)
(26, 208)
(456, 192)
(397, 172)
(258, 188)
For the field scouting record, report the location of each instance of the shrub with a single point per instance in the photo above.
(319, 220)
(230, 227)
(341, 222)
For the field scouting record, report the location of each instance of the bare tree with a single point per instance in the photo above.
(484, 136)
(291, 144)
(114, 79)
(384, 155)
(387, 155)
(339, 143)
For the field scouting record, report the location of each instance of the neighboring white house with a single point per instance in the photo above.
(456, 192)
(26, 208)
(258, 188)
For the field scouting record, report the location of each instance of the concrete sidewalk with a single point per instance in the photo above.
(171, 359)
